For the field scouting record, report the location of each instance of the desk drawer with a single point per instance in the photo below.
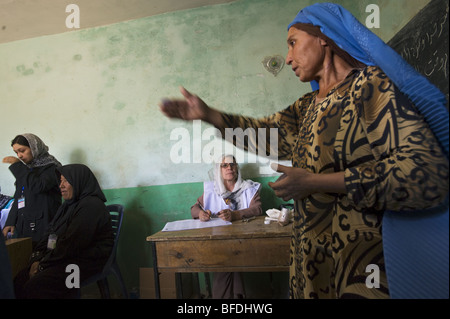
(256, 254)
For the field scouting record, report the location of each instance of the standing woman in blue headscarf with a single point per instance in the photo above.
(363, 142)
(37, 195)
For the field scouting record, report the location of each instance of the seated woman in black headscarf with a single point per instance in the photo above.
(80, 234)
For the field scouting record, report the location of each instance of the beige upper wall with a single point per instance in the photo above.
(92, 95)
(24, 19)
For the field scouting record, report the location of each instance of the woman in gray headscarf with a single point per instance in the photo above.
(37, 195)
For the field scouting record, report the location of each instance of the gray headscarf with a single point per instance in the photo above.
(39, 150)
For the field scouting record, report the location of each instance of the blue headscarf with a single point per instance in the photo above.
(416, 243)
(362, 44)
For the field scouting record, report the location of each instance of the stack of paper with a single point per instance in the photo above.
(194, 224)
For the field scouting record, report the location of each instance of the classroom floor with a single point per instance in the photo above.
(257, 286)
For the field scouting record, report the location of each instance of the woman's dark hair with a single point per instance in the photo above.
(21, 140)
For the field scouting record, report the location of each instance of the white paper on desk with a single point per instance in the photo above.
(194, 224)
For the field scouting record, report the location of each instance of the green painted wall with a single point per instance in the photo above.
(92, 96)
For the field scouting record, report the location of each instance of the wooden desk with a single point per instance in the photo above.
(241, 247)
(19, 251)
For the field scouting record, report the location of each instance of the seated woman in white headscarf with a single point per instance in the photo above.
(231, 198)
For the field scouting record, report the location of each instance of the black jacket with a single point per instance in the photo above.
(42, 199)
(84, 236)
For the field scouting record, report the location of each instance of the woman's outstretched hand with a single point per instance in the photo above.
(189, 108)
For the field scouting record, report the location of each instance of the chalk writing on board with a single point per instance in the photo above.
(423, 42)
(438, 60)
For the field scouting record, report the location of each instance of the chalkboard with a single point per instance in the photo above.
(423, 42)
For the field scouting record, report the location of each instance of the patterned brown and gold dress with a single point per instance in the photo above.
(391, 159)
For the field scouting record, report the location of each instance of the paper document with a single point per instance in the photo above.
(194, 224)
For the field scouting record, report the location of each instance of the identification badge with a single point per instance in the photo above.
(21, 202)
(51, 244)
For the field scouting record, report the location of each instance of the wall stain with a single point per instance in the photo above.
(119, 105)
(115, 38)
(130, 120)
(24, 70)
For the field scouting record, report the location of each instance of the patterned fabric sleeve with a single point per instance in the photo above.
(286, 124)
(408, 169)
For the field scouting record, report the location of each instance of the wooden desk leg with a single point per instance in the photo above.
(179, 285)
(155, 272)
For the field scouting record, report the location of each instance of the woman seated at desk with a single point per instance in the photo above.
(230, 198)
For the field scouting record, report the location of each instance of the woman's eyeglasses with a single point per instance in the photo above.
(225, 165)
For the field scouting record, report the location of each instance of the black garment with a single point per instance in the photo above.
(84, 238)
(6, 284)
(42, 199)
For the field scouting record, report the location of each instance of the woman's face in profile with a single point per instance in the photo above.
(66, 189)
(23, 153)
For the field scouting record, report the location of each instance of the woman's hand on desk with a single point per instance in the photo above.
(204, 216)
(226, 215)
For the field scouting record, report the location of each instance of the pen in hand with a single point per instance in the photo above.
(207, 212)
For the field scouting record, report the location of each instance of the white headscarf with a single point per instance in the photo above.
(232, 198)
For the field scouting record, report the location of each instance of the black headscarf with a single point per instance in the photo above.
(83, 182)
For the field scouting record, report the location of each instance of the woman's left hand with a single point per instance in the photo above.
(297, 183)
(226, 215)
(292, 184)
